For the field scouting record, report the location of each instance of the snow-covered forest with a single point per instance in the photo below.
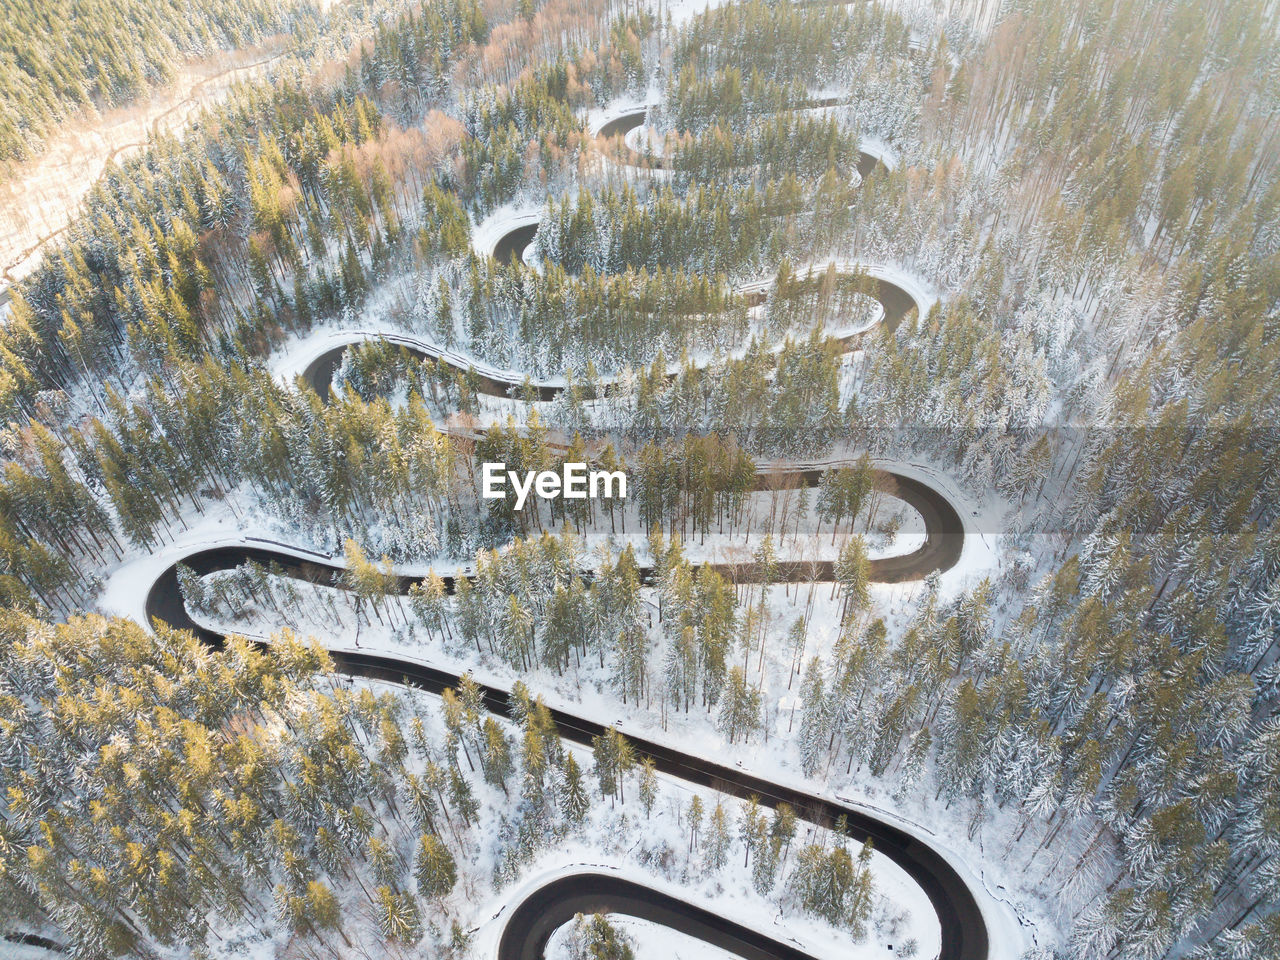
(939, 343)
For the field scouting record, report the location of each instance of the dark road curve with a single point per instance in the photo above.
(964, 935)
(895, 301)
(941, 550)
(511, 245)
(963, 929)
(530, 924)
(620, 126)
(556, 903)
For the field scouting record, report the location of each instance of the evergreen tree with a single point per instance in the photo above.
(434, 869)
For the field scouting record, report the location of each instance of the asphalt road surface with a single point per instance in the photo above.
(532, 921)
(897, 304)
(554, 904)
(621, 126)
(964, 933)
(511, 245)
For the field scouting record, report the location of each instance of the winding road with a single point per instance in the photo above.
(525, 934)
(896, 302)
(963, 929)
(531, 922)
(620, 126)
(541, 912)
(556, 903)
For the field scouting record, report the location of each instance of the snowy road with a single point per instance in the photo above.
(556, 903)
(875, 154)
(963, 928)
(961, 920)
(898, 295)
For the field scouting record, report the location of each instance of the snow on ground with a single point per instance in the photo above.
(877, 148)
(124, 594)
(597, 117)
(328, 614)
(682, 11)
(501, 221)
(645, 138)
(586, 689)
(377, 319)
(807, 543)
(298, 353)
(654, 851)
(864, 313)
(990, 877)
(648, 940)
(27, 951)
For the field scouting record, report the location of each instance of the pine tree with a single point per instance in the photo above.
(595, 938)
(461, 797)
(614, 757)
(694, 814)
(324, 911)
(398, 916)
(740, 714)
(853, 574)
(495, 754)
(815, 723)
(429, 604)
(828, 882)
(716, 851)
(751, 828)
(574, 800)
(434, 870)
(648, 785)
